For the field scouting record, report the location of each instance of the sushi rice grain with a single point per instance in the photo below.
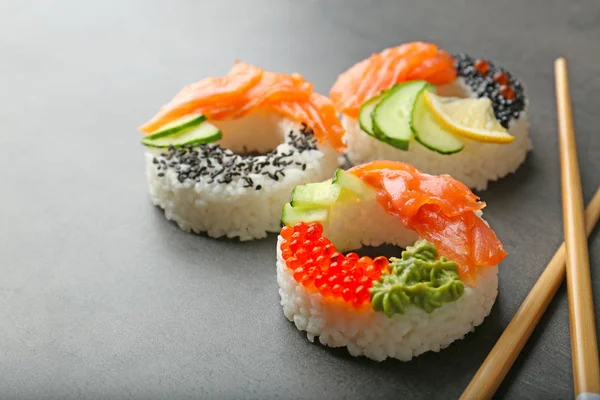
(234, 209)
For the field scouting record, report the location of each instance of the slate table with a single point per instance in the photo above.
(101, 297)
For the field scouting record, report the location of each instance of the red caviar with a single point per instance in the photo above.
(316, 264)
(507, 92)
(481, 66)
(501, 78)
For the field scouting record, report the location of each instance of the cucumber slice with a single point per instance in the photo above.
(391, 117)
(185, 122)
(365, 116)
(343, 187)
(291, 215)
(315, 195)
(352, 183)
(202, 133)
(428, 132)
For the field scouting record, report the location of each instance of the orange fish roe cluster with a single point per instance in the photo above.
(318, 265)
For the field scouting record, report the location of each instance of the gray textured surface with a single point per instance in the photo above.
(101, 297)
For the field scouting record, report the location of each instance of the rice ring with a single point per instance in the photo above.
(213, 189)
(220, 188)
(479, 162)
(311, 304)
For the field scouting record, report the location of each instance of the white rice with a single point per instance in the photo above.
(368, 332)
(476, 165)
(233, 210)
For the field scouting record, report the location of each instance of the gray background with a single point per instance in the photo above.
(100, 296)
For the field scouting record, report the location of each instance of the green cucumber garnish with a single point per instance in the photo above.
(315, 195)
(197, 134)
(180, 124)
(428, 132)
(352, 183)
(391, 117)
(292, 215)
(365, 116)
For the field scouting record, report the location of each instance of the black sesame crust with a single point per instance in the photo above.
(485, 86)
(212, 163)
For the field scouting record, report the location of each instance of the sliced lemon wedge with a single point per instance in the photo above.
(471, 118)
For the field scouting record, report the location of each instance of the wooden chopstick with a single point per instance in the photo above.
(584, 348)
(497, 364)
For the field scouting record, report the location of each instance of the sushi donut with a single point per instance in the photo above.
(436, 291)
(224, 154)
(441, 113)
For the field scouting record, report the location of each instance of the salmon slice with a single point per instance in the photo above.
(395, 66)
(434, 69)
(271, 89)
(319, 114)
(247, 88)
(240, 78)
(440, 209)
(410, 61)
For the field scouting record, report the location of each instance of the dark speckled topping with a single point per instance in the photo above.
(488, 80)
(213, 163)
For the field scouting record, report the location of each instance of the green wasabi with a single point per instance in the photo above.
(418, 278)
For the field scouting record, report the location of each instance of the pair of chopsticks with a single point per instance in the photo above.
(586, 372)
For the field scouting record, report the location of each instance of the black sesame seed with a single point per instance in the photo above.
(484, 85)
(196, 162)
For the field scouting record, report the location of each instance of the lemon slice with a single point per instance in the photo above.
(471, 118)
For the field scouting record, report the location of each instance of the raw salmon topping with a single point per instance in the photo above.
(246, 88)
(440, 209)
(410, 61)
